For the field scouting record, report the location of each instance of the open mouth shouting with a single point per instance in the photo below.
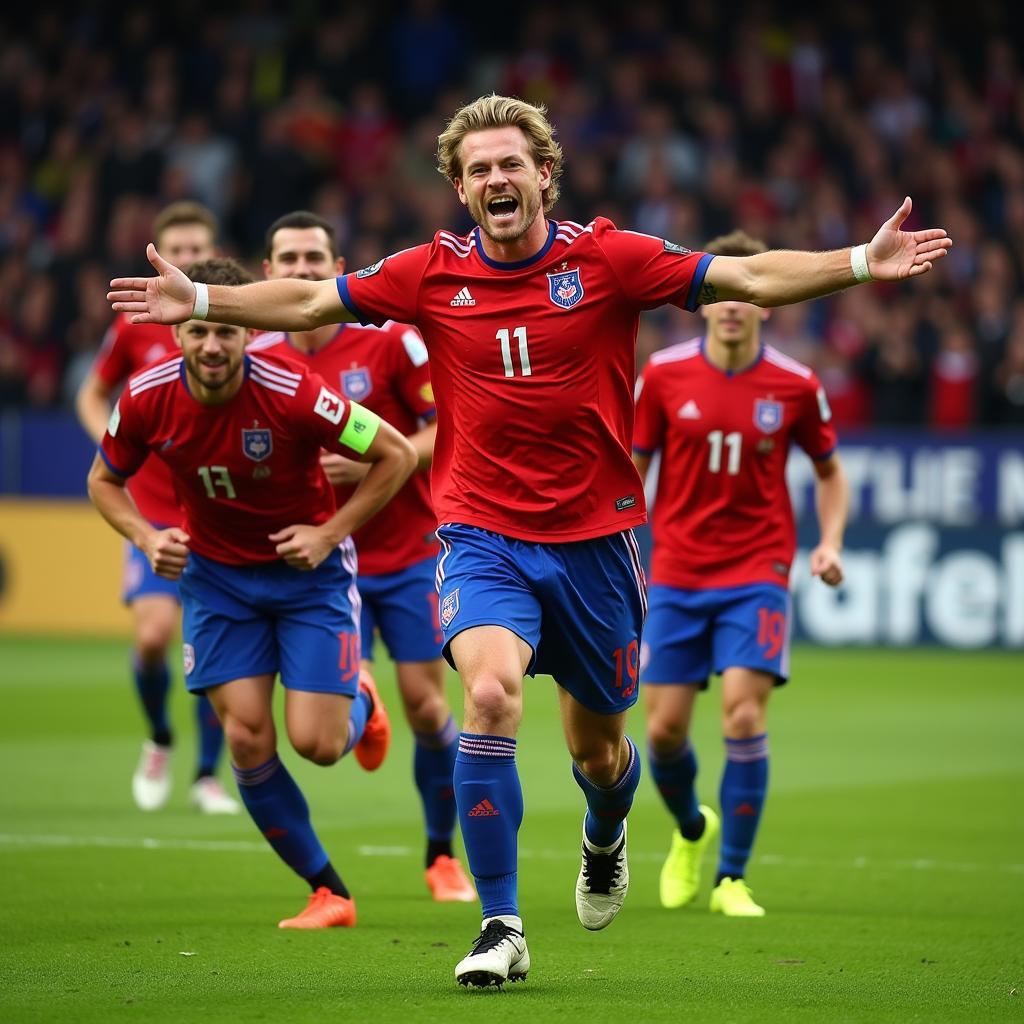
(502, 208)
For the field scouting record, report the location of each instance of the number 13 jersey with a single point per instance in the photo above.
(532, 365)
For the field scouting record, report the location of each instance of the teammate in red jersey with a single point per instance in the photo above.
(186, 232)
(723, 410)
(531, 326)
(386, 370)
(266, 563)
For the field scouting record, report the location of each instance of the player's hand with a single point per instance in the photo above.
(167, 299)
(341, 471)
(894, 254)
(302, 547)
(826, 563)
(167, 552)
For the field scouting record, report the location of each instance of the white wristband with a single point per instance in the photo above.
(202, 303)
(859, 262)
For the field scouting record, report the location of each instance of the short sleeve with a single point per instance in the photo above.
(111, 365)
(412, 370)
(649, 425)
(814, 430)
(387, 290)
(653, 271)
(124, 447)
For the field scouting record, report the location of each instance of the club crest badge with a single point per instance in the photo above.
(356, 384)
(449, 608)
(767, 415)
(565, 289)
(257, 444)
(188, 658)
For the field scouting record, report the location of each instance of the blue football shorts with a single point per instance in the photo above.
(139, 580)
(691, 633)
(403, 607)
(250, 620)
(580, 605)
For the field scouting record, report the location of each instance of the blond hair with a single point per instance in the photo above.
(502, 112)
(184, 212)
(736, 243)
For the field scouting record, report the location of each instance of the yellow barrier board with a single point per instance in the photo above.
(60, 570)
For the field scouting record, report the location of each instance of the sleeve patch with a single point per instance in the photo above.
(414, 347)
(371, 270)
(329, 406)
(115, 419)
(823, 406)
(361, 428)
(675, 247)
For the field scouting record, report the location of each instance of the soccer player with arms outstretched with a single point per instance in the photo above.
(531, 327)
(386, 370)
(185, 232)
(265, 560)
(723, 411)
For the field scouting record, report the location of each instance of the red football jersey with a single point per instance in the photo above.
(722, 514)
(532, 365)
(242, 470)
(384, 369)
(127, 348)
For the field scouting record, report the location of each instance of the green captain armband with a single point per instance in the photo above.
(361, 428)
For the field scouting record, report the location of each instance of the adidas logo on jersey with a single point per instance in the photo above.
(463, 298)
(689, 411)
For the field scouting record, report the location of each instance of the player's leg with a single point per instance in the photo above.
(404, 606)
(751, 652)
(155, 622)
(675, 665)
(491, 661)
(491, 624)
(594, 601)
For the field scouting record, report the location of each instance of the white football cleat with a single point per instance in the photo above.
(499, 954)
(602, 883)
(210, 797)
(151, 783)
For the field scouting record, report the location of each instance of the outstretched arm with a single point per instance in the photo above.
(282, 305)
(781, 277)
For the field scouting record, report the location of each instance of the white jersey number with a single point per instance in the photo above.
(733, 442)
(505, 336)
(214, 477)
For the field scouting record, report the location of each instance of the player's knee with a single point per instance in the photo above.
(490, 706)
(665, 734)
(744, 719)
(321, 748)
(151, 645)
(599, 761)
(426, 712)
(250, 744)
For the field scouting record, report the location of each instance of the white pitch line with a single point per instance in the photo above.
(16, 841)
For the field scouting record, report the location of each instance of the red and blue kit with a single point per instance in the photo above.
(243, 470)
(724, 536)
(532, 365)
(385, 370)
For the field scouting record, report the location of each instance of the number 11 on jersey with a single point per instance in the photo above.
(505, 337)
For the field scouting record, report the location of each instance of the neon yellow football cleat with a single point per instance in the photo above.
(733, 898)
(680, 874)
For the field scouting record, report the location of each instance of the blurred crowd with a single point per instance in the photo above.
(803, 125)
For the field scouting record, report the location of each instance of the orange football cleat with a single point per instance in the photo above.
(448, 882)
(373, 745)
(324, 910)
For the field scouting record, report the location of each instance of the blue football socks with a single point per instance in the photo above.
(490, 802)
(433, 768)
(276, 804)
(742, 793)
(362, 708)
(607, 807)
(211, 737)
(152, 683)
(674, 773)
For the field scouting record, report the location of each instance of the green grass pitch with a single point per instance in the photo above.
(891, 862)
